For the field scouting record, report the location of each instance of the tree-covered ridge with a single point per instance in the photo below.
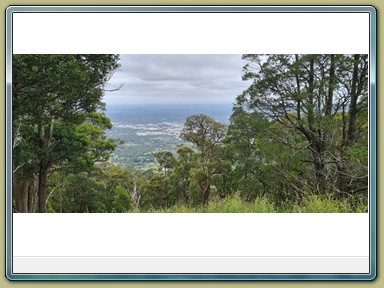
(297, 141)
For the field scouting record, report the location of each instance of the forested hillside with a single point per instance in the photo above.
(297, 141)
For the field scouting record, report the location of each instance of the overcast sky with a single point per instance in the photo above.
(176, 79)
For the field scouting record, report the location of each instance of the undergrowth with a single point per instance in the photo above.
(311, 204)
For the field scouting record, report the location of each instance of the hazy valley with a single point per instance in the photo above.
(146, 129)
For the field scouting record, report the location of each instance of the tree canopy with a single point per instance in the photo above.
(320, 100)
(56, 101)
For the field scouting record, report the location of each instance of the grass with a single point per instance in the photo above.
(234, 204)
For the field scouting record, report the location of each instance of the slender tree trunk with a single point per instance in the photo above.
(134, 195)
(43, 177)
(205, 194)
(43, 170)
(60, 200)
(352, 115)
(45, 145)
(316, 143)
(343, 179)
(298, 107)
(32, 195)
(331, 87)
(350, 129)
(204, 199)
(319, 173)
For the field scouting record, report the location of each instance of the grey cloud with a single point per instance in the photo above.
(177, 78)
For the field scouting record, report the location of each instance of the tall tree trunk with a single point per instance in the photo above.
(343, 179)
(316, 142)
(60, 202)
(43, 170)
(207, 187)
(298, 107)
(134, 197)
(350, 129)
(45, 145)
(43, 177)
(331, 87)
(32, 195)
(319, 165)
(352, 115)
(20, 193)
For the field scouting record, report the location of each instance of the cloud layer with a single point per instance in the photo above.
(166, 79)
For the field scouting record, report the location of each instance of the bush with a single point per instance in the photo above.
(322, 204)
(263, 205)
(235, 204)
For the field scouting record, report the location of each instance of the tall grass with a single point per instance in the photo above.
(325, 204)
(234, 204)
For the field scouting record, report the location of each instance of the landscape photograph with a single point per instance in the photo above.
(190, 133)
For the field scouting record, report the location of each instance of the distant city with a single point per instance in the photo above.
(146, 129)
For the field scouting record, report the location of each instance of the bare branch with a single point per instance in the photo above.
(18, 167)
(51, 193)
(116, 89)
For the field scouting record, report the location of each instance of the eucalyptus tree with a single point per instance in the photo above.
(51, 96)
(318, 97)
(206, 134)
(186, 161)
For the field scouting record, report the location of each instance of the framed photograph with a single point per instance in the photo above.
(191, 142)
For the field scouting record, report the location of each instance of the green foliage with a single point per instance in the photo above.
(57, 123)
(81, 193)
(325, 204)
(235, 204)
(317, 108)
(121, 200)
(105, 188)
(228, 205)
(204, 132)
(166, 160)
(153, 192)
